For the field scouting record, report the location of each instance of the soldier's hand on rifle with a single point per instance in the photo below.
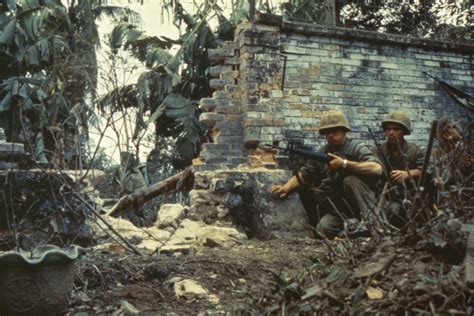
(336, 163)
(279, 191)
(398, 175)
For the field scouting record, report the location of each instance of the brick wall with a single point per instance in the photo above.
(277, 77)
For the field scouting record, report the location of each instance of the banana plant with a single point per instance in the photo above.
(171, 87)
(49, 67)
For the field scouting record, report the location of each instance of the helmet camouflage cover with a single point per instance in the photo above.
(398, 117)
(333, 119)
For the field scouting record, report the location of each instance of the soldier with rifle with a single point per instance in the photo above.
(402, 162)
(452, 160)
(338, 189)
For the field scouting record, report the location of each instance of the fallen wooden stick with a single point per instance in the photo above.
(138, 198)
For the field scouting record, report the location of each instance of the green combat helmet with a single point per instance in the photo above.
(332, 119)
(398, 117)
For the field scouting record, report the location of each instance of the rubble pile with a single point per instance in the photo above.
(242, 196)
(39, 206)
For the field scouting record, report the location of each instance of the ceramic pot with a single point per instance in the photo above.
(37, 282)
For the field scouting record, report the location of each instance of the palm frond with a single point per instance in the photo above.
(118, 13)
(117, 99)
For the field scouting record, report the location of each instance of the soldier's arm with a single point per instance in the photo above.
(367, 162)
(305, 176)
(369, 168)
(415, 173)
(282, 191)
(401, 175)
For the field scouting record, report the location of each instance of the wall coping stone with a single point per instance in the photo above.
(357, 34)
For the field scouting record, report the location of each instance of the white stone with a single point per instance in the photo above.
(186, 249)
(150, 245)
(170, 215)
(222, 211)
(214, 299)
(151, 237)
(155, 233)
(219, 236)
(188, 289)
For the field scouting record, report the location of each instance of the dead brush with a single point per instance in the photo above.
(412, 269)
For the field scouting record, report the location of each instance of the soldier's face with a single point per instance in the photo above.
(394, 133)
(335, 136)
(451, 133)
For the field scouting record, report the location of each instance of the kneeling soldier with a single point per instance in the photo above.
(405, 161)
(344, 188)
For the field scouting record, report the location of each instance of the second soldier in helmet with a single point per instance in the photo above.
(405, 161)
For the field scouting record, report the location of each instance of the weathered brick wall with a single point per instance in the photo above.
(365, 74)
(223, 113)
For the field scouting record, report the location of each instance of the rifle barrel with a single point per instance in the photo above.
(322, 157)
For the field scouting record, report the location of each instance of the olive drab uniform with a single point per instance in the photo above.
(412, 154)
(411, 157)
(131, 177)
(448, 167)
(331, 197)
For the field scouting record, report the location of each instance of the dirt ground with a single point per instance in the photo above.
(291, 275)
(236, 275)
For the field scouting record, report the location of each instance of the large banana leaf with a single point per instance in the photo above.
(7, 34)
(151, 89)
(183, 123)
(148, 49)
(11, 4)
(38, 52)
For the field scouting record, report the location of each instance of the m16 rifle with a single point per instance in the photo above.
(318, 156)
(395, 192)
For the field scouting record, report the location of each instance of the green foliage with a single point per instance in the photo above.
(308, 11)
(168, 97)
(445, 20)
(49, 65)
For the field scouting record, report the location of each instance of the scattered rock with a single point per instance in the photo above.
(374, 293)
(186, 249)
(188, 289)
(221, 185)
(127, 309)
(186, 232)
(222, 211)
(170, 215)
(213, 236)
(375, 267)
(150, 238)
(214, 299)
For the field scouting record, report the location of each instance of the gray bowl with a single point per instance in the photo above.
(37, 282)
